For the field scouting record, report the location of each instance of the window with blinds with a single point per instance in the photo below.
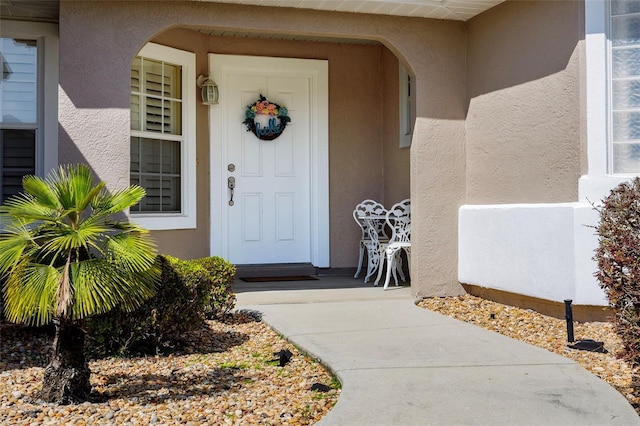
(625, 86)
(18, 109)
(156, 134)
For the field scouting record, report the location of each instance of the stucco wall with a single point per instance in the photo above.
(397, 185)
(523, 124)
(99, 39)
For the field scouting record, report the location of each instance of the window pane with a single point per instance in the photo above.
(172, 117)
(150, 152)
(135, 155)
(155, 165)
(621, 7)
(173, 81)
(625, 30)
(19, 84)
(171, 194)
(135, 112)
(626, 94)
(135, 74)
(625, 62)
(171, 157)
(152, 78)
(18, 159)
(626, 158)
(151, 202)
(626, 126)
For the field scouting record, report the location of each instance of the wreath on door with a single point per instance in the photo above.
(267, 120)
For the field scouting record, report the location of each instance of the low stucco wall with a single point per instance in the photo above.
(539, 250)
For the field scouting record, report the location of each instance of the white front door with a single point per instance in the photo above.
(276, 198)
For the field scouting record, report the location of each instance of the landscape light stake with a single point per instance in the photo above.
(569, 317)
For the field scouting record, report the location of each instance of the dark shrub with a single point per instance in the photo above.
(618, 257)
(189, 291)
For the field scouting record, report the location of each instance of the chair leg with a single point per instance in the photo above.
(381, 257)
(391, 265)
(373, 260)
(360, 259)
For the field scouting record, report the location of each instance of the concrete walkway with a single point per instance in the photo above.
(404, 365)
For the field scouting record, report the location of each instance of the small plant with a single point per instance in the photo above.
(618, 257)
(189, 292)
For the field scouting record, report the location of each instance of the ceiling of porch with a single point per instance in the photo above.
(461, 10)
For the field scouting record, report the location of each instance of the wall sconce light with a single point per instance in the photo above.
(209, 90)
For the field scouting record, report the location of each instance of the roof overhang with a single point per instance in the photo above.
(460, 10)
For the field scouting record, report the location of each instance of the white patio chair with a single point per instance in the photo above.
(370, 216)
(399, 220)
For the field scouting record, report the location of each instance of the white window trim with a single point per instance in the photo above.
(404, 110)
(596, 185)
(47, 114)
(187, 218)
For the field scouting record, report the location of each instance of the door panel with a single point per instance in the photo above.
(280, 209)
(270, 221)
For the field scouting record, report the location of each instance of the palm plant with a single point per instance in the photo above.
(64, 258)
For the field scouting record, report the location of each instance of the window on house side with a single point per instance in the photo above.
(163, 137)
(21, 122)
(406, 118)
(625, 87)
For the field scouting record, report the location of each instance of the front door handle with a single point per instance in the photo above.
(231, 183)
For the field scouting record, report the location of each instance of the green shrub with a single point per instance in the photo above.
(189, 292)
(618, 257)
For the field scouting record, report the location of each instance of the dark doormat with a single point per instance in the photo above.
(272, 279)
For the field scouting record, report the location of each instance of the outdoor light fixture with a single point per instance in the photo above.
(209, 90)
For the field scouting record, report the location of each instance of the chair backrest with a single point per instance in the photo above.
(370, 208)
(399, 220)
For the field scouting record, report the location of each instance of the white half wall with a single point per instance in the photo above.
(538, 250)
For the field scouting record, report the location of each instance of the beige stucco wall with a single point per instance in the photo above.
(395, 166)
(523, 126)
(98, 40)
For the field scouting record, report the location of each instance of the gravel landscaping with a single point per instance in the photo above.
(228, 376)
(546, 332)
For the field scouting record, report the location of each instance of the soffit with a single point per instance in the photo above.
(30, 10)
(460, 10)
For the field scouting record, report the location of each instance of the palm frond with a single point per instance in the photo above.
(99, 285)
(14, 241)
(71, 185)
(29, 293)
(40, 191)
(107, 204)
(27, 207)
(132, 251)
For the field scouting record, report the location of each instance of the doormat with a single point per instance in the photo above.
(272, 279)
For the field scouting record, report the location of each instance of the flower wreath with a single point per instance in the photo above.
(265, 119)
